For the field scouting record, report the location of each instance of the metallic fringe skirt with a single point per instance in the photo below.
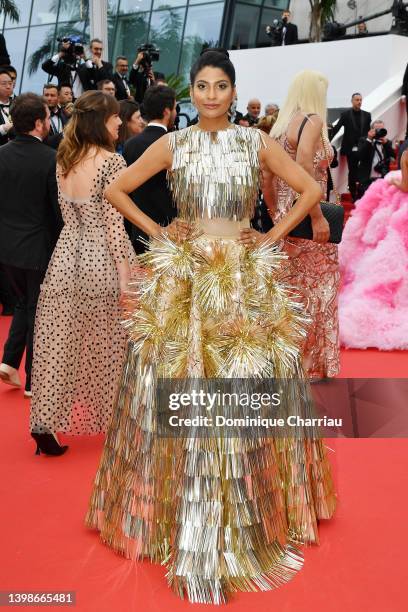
(223, 514)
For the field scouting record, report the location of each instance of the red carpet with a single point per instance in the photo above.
(361, 562)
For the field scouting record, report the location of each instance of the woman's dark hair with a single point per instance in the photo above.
(86, 128)
(25, 110)
(155, 101)
(127, 110)
(216, 58)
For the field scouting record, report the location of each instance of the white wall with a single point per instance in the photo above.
(351, 65)
(301, 15)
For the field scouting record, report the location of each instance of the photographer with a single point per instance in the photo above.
(70, 66)
(374, 154)
(282, 32)
(142, 75)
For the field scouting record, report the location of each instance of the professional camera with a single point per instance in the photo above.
(380, 133)
(382, 167)
(75, 49)
(275, 30)
(150, 54)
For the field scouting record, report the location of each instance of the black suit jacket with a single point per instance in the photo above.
(140, 82)
(89, 77)
(5, 138)
(30, 218)
(291, 36)
(366, 150)
(64, 120)
(120, 88)
(351, 134)
(153, 197)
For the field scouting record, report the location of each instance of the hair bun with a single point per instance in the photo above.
(219, 50)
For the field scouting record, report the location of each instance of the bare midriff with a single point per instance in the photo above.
(222, 227)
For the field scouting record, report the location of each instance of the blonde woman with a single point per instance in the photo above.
(79, 343)
(301, 129)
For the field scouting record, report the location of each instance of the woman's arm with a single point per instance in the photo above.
(156, 158)
(281, 164)
(305, 153)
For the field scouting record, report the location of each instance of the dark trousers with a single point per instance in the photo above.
(26, 284)
(7, 296)
(352, 162)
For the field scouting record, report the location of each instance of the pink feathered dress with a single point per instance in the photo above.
(373, 305)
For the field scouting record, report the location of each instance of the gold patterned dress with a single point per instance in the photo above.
(314, 270)
(222, 514)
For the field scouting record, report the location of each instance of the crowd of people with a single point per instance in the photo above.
(206, 293)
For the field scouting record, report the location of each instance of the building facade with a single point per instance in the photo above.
(179, 28)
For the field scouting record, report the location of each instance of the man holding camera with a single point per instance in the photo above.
(282, 31)
(70, 66)
(142, 75)
(375, 153)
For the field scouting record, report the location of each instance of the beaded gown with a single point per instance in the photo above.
(79, 343)
(314, 270)
(221, 514)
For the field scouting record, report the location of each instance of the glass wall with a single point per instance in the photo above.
(179, 28)
(248, 21)
(33, 39)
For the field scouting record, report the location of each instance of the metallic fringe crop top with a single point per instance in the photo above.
(215, 174)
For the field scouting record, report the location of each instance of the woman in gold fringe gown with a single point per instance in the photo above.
(223, 514)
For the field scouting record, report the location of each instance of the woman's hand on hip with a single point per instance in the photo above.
(250, 238)
(178, 230)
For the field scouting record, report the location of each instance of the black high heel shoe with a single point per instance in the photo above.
(47, 444)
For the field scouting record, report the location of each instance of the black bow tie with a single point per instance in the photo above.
(7, 105)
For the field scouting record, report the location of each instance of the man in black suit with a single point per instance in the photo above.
(6, 94)
(283, 33)
(30, 222)
(375, 153)
(153, 197)
(58, 118)
(142, 76)
(356, 123)
(120, 78)
(81, 74)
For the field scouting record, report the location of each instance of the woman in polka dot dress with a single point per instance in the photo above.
(79, 343)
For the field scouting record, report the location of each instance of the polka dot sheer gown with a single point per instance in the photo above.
(79, 343)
